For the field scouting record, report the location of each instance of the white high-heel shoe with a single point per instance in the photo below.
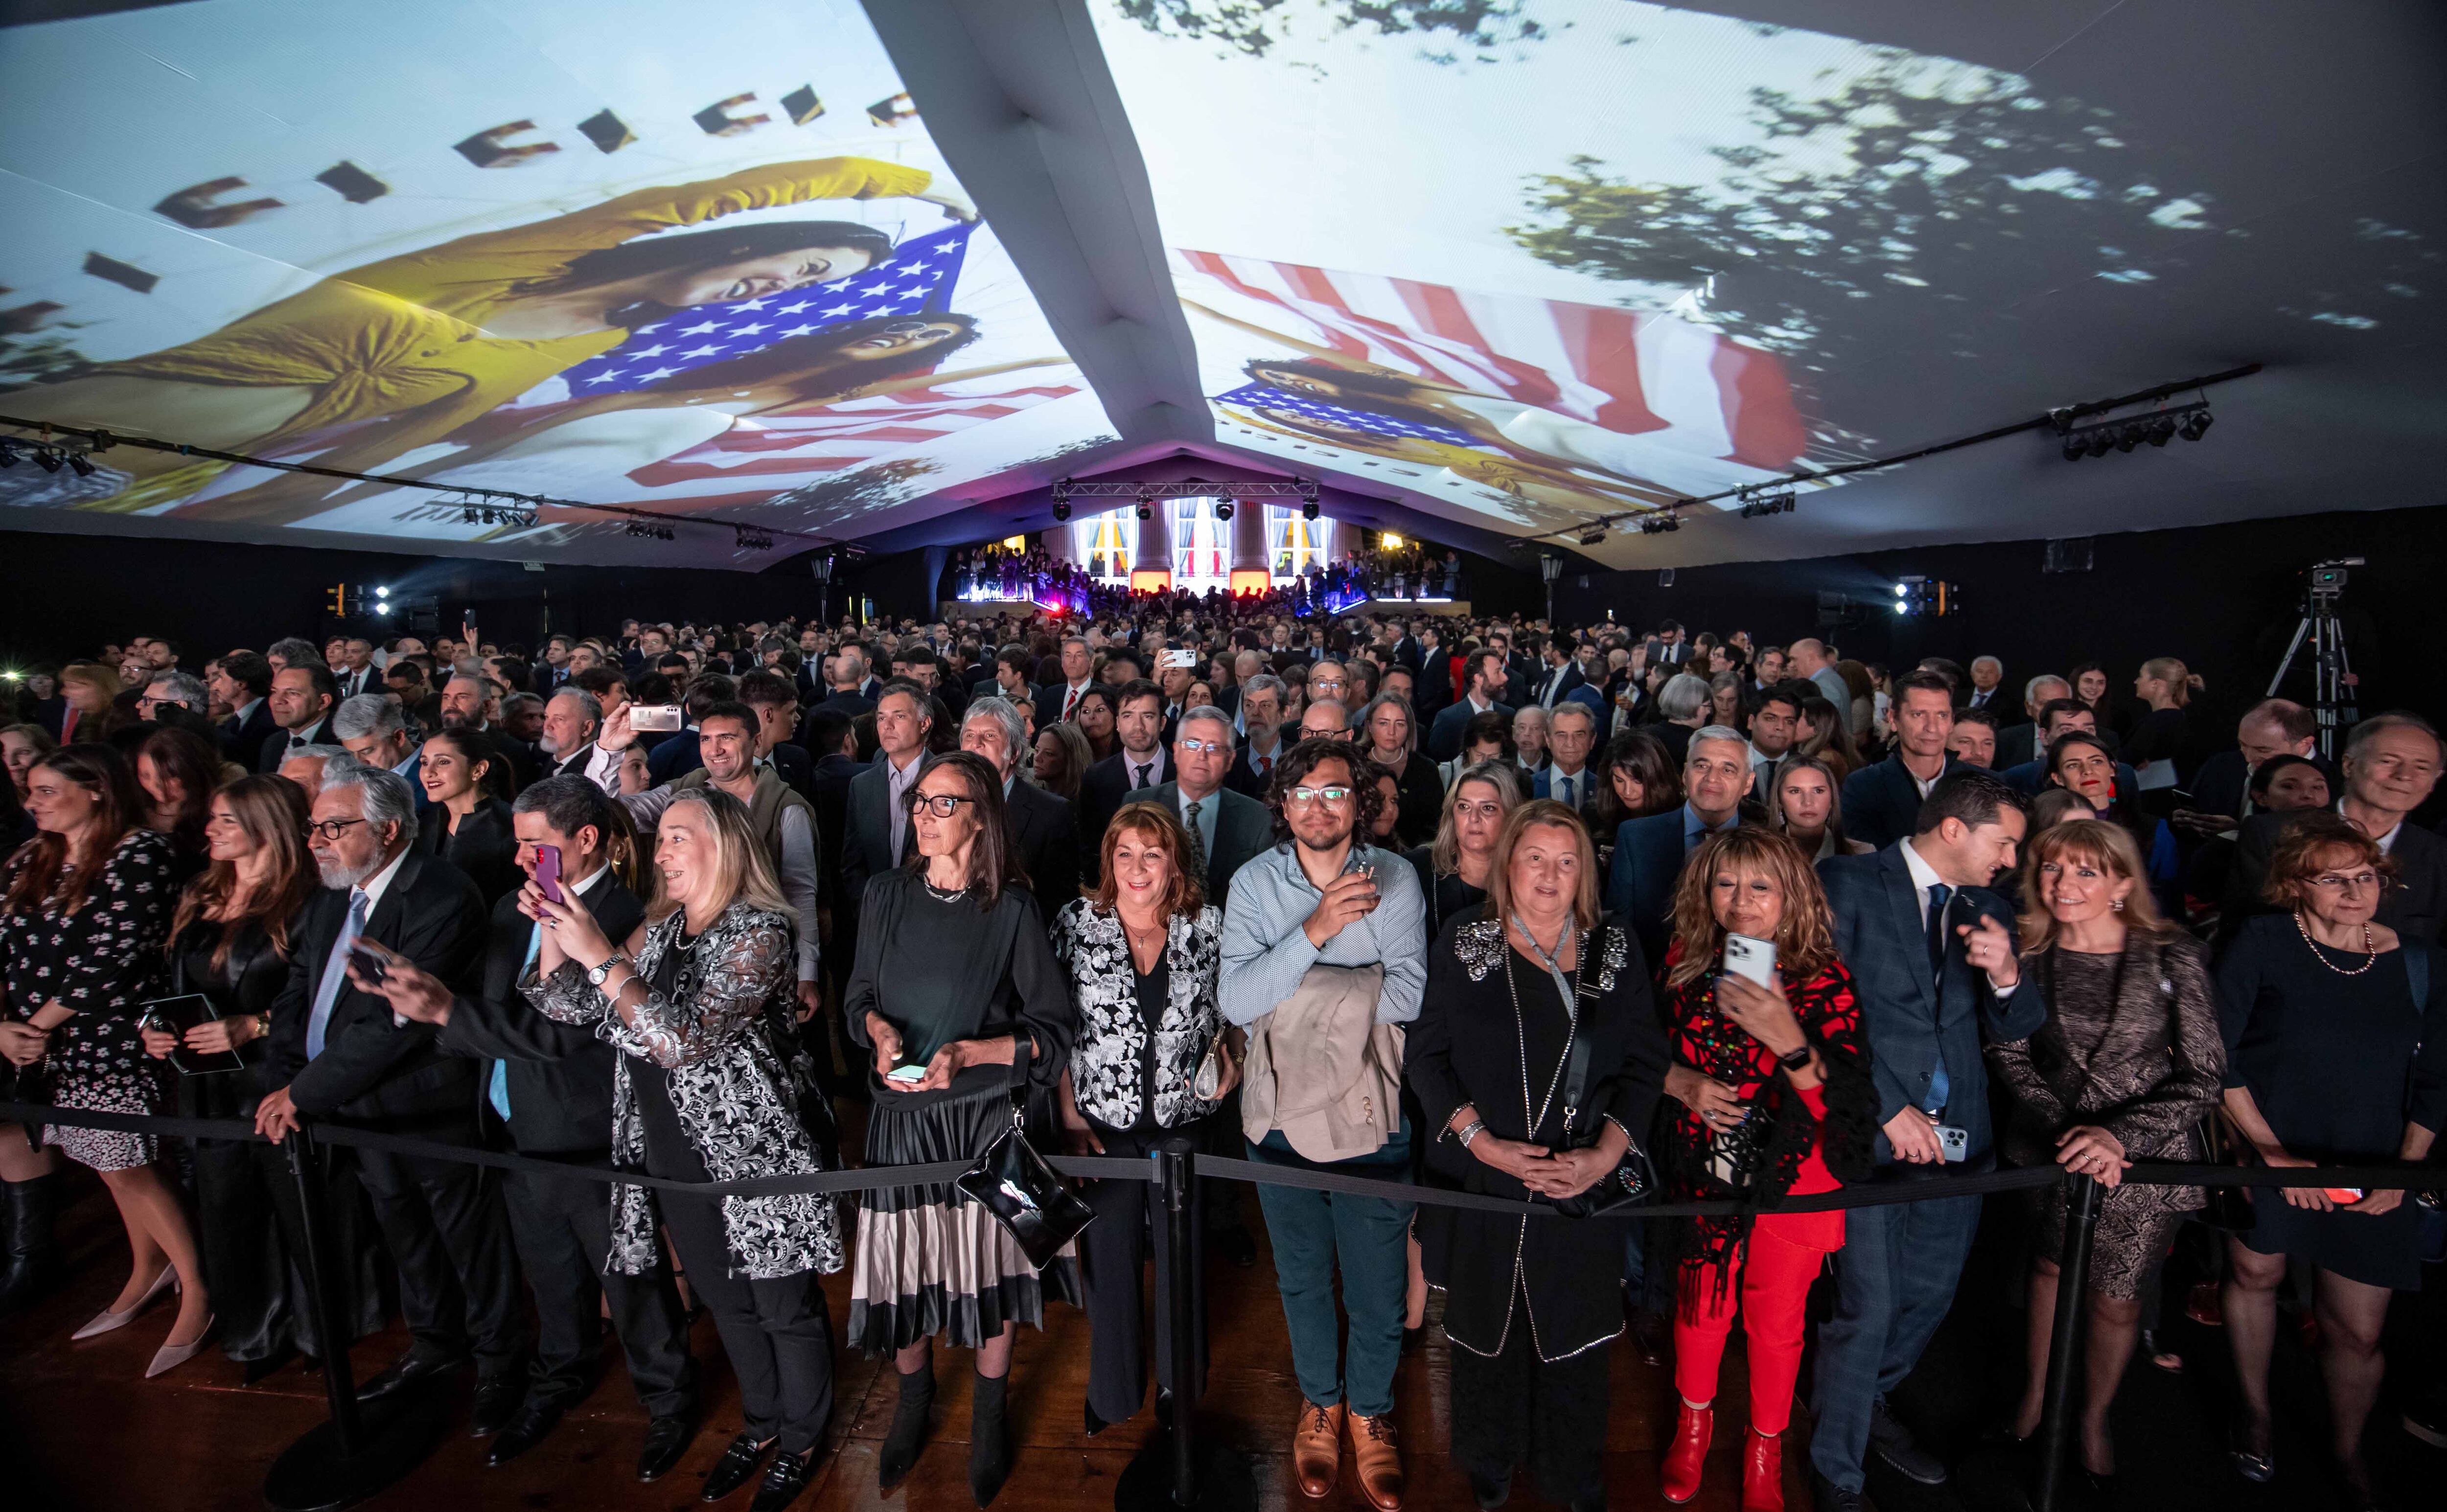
(107, 1321)
(170, 1356)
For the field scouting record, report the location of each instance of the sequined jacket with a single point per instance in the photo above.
(1095, 957)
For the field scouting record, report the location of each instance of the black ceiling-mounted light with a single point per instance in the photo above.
(8, 454)
(2196, 425)
(48, 459)
(2157, 427)
(81, 464)
(1223, 507)
(1660, 522)
(1594, 538)
(1061, 508)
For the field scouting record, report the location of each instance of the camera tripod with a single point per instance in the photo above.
(2332, 672)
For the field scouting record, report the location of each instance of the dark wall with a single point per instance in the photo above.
(63, 596)
(2224, 599)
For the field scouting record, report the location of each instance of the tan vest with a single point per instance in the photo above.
(1323, 1071)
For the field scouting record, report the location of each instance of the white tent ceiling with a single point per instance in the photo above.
(1488, 269)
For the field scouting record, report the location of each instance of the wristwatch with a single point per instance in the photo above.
(595, 976)
(1795, 1060)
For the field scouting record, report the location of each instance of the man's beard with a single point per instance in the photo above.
(452, 720)
(339, 877)
(1327, 844)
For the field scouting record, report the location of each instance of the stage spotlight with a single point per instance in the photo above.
(2128, 437)
(382, 606)
(382, 593)
(2076, 448)
(1903, 591)
(2195, 423)
(1308, 509)
(1061, 508)
(1224, 509)
(2162, 430)
(81, 464)
(48, 459)
(2100, 442)
(1594, 538)
(8, 454)
(1144, 512)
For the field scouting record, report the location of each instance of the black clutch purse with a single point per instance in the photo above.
(1013, 1182)
(1631, 1182)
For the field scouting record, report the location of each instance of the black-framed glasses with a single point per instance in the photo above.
(942, 806)
(332, 829)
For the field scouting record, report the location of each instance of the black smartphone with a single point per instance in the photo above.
(369, 966)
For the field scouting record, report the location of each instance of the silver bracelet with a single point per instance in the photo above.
(1471, 1131)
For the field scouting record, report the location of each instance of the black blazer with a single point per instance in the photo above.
(2016, 743)
(1103, 790)
(275, 748)
(244, 743)
(1048, 699)
(1882, 802)
(2412, 907)
(560, 1077)
(1045, 835)
(371, 1070)
(1244, 828)
(866, 831)
(482, 847)
(1244, 777)
(1444, 731)
(830, 783)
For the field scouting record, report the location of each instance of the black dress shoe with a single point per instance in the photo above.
(523, 1432)
(498, 1401)
(1825, 1496)
(1489, 1494)
(1648, 1335)
(408, 1371)
(736, 1467)
(1238, 1248)
(667, 1439)
(1896, 1446)
(784, 1480)
(255, 1371)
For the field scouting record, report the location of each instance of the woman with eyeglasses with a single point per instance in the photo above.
(1390, 733)
(2336, 1044)
(955, 997)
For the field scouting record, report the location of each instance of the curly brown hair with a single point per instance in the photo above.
(1187, 894)
(1805, 937)
(1303, 758)
(2304, 848)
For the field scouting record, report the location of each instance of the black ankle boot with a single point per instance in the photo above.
(32, 1264)
(908, 1434)
(989, 1439)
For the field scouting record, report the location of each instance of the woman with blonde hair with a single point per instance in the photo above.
(1773, 1083)
(1453, 869)
(710, 1086)
(1143, 954)
(1062, 759)
(1532, 984)
(91, 690)
(2125, 1067)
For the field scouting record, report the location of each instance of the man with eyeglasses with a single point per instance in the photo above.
(2390, 765)
(1261, 713)
(1227, 829)
(339, 1053)
(1324, 954)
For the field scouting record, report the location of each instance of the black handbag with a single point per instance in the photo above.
(1022, 1193)
(1631, 1182)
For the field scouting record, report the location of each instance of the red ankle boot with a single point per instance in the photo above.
(1688, 1453)
(1763, 1472)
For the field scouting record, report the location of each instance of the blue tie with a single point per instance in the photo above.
(336, 975)
(1939, 1083)
(498, 1087)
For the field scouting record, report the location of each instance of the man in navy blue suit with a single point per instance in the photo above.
(1882, 801)
(1648, 852)
(1931, 952)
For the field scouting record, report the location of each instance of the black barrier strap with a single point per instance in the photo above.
(194, 1129)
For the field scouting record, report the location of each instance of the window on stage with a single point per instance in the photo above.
(1295, 543)
(1109, 544)
(1201, 546)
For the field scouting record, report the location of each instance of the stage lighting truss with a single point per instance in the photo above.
(2157, 427)
(1662, 522)
(652, 530)
(1771, 499)
(751, 538)
(482, 510)
(1594, 538)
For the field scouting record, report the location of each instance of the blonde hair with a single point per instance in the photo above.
(743, 871)
(1805, 936)
(1499, 864)
(2097, 842)
(1444, 856)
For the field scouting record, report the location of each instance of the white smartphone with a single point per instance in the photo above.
(913, 1072)
(653, 718)
(1753, 959)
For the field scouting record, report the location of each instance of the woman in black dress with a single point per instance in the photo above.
(84, 909)
(469, 823)
(1142, 953)
(1390, 733)
(1488, 1059)
(1453, 870)
(2335, 1054)
(230, 942)
(954, 988)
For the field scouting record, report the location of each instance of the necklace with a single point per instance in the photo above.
(2370, 947)
(941, 894)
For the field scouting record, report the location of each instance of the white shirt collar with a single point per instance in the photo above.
(374, 886)
(245, 709)
(2386, 842)
(595, 880)
(1923, 876)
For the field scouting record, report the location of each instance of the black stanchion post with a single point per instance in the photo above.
(1178, 1472)
(2064, 1339)
(363, 1448)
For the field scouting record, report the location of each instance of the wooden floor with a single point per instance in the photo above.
(83, 1430)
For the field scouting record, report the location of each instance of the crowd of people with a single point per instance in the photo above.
(701, 903)
(1001, 574)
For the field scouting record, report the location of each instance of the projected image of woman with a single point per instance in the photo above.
(432, 339)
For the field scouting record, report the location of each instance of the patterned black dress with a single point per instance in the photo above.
(99, 960)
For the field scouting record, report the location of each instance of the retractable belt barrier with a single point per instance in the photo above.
(359, 1450)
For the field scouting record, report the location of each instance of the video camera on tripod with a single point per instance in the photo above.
(2332, 673)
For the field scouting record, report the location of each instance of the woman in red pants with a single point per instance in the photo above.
(1772, 1095)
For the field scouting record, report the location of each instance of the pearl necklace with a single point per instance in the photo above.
(2370, 947)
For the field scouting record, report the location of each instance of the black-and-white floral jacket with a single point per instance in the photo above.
(1095, 953)
(736, 1086)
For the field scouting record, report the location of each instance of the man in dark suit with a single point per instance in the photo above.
(1931, 952)
(301, 701)
(1571, 735)
(1140, 763)
(338, 1055)
(2019, 742)
(1516, 689)
(876, 830)
(851, 693)
(240, 680)
(1262, 714)
(1882, 802)
(1055, 700)
(1987, 686)
(2272, 727)
(357, 672)
(1668, 648)
(2058, 718)
(1649, 854)
(548, 1086)
(554, 671)
(1228, 827)
(1483, 692)
(1559, 675)
(2390, 766)
(1043, 831)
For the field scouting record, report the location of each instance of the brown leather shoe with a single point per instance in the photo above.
(1378, 1462)
(1317, 1447)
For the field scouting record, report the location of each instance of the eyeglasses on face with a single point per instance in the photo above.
(332, 829)
(942, 806)
(1202, 746)
(1302, 797)
(2345, 883)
